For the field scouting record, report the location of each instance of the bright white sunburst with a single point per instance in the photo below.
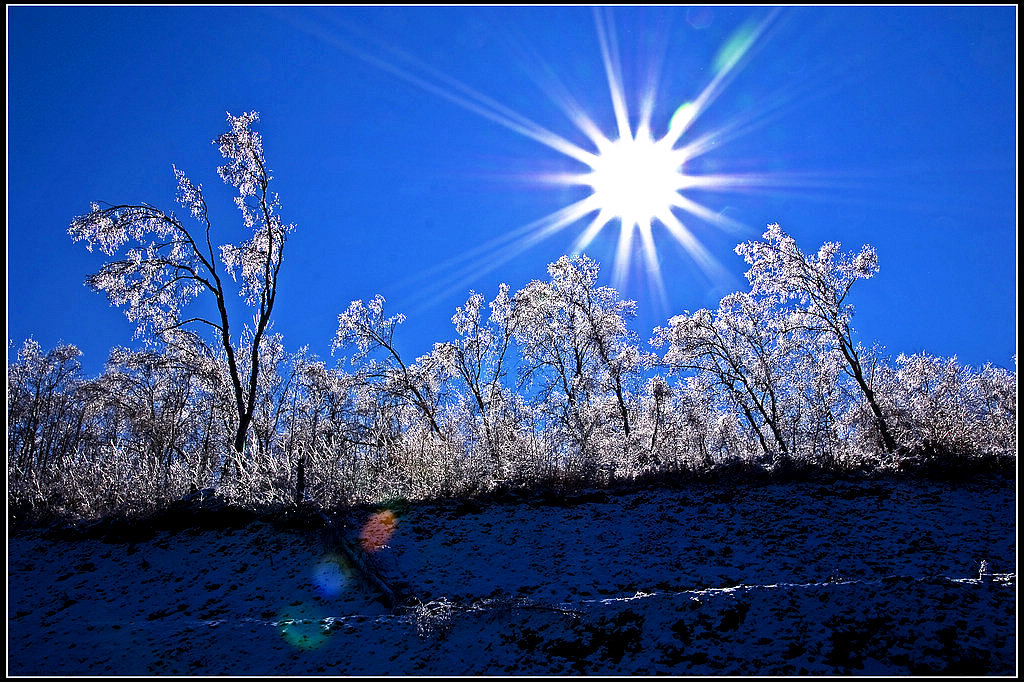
(638, 180)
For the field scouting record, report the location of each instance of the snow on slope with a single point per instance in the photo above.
(798, 578)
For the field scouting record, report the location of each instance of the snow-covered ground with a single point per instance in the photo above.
(796, 578)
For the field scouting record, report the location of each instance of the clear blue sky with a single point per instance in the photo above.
(396, 137)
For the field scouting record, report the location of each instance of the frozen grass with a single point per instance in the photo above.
(875, 577)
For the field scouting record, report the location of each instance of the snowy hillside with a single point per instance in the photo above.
(876, 577)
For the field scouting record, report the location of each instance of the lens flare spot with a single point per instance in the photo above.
(303, 628)
(735, 47)
(378, 530)
(331, 575)
(683, 116)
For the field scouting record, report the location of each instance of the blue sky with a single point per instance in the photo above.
(402, 139)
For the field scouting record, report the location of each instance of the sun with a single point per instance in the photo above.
(639, 181)
(636, 179)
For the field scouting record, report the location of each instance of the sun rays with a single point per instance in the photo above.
(636, 179)
(639, 181)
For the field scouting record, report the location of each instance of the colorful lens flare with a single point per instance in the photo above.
(332, 575)
(377, 530)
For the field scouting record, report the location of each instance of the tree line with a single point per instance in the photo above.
(547, 385)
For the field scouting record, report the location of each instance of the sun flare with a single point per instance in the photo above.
(636, 179)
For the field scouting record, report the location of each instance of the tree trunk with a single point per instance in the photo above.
(883, 428)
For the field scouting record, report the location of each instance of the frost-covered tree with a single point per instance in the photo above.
(168, 409)
(372, 335)
(331, 425)
(579, 352)
(996, 398)
(820, 285)
(819, 399)
(479, 359)
(745, 350)
(944, 409)
(165, 263)
(674, 424)
(153, 395)
(317, 413)
(44, 410)
(275, 397)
